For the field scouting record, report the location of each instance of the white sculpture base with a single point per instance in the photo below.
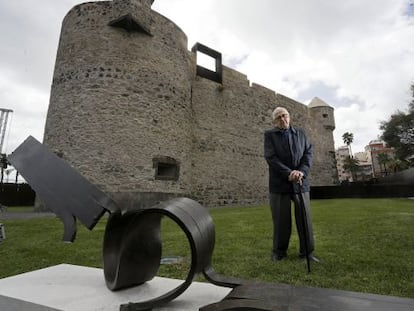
(77, 288)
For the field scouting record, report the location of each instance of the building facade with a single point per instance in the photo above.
(341, 154)
(375, 149)
(369, 163)
(365, 166)
(132, 111)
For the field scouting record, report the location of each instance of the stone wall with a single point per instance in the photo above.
(129, 112)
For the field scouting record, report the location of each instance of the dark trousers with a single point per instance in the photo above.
(280, 205)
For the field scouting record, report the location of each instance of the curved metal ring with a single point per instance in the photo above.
(132, 246)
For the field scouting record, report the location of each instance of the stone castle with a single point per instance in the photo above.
(132, 111)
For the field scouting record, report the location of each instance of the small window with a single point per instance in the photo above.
(325, 115)
(206, 61)
(209, 63)
(166, 168)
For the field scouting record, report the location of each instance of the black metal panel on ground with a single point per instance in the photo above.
(275, 297)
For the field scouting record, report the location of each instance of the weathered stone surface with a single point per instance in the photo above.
(120, 100)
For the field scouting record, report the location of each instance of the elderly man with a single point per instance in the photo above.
(288, 153)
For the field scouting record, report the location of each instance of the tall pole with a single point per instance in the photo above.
(4, 117)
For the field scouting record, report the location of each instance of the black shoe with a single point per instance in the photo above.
(311, 257)
(277, 257)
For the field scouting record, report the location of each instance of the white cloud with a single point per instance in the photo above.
(362, 51)
(29, 105)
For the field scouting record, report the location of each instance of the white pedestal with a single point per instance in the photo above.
(77, 288)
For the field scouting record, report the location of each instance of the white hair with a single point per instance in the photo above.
(278, 110)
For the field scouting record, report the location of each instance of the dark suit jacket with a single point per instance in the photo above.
(281, 163)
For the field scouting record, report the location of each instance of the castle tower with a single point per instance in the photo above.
(120, 101)
(323, 125)
(132, 15)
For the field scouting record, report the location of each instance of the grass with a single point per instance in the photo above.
(365, 245)
(19, 209)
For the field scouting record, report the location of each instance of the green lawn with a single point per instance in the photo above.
(364, 245)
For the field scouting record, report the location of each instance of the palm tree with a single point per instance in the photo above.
(352, 165)
(383, 159)
(397, 165)
(348, 138)
(3, 164)
(8, 171)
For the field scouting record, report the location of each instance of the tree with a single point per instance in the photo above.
(383, 160)
(3, 165)
(348, 138)
(8, 172)
(411, 104)
(398, 131)
(352, 165)
(398, 165)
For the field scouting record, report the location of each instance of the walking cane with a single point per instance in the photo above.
(297, 188)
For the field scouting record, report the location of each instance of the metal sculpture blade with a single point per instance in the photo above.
(60, 187)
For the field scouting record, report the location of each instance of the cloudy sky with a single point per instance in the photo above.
(356, 55)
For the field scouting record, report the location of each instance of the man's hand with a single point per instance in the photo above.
(296, 176)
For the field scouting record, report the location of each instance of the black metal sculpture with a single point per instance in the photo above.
(132, 243)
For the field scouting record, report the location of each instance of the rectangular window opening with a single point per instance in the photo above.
(166, 168)
(206, 61)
